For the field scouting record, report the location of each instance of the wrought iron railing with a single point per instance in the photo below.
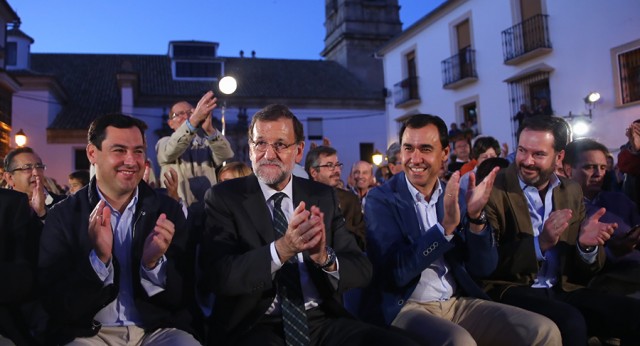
(406, 90)
(522, 38)
(459, 66)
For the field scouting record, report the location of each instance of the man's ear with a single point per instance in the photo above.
(568, 170)
(313, 173)
(91, 153)
(8, 178)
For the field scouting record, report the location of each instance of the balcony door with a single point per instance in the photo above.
(532, 34)
(463, 35)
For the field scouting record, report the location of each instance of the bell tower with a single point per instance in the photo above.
(355, 30)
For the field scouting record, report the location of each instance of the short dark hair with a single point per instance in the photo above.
(98, 128)
(311, 161)
(483, 144)
(558, 127)
(8, 160)
(579, 146)
(274, 112)
(82, 176)
(419, 121)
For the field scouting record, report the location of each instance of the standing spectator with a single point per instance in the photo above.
(454, 131)
(483, 148)
(548, 248)
(522, 114)
(629, 162)
(112, 265)
(77, 180)
(24, 172)
(195, 149)
(276, 252)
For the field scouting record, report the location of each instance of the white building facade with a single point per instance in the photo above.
(478, 61)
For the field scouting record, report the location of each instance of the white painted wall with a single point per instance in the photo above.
(582, 34)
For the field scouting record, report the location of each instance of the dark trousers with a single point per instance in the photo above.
(581, 313)
(328, 331)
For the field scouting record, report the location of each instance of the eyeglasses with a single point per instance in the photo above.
(278, 147)
(179, 114)
(29, 167)
(331, 166)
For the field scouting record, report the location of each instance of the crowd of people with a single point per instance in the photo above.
(455, 241)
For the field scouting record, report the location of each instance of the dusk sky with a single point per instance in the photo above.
(292, 29)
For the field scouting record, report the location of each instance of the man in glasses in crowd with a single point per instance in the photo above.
(195, 149)
(323, 166)
(24, 172)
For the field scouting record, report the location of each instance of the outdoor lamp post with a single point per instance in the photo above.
(227, 86)
(20, 138)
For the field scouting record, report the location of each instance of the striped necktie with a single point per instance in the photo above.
(294, 316)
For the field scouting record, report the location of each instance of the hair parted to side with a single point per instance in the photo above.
(98, 128)
(274, 112)
(574, 149)
(558, 127)
(8, 160)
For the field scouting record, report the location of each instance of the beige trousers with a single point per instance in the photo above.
(135, 336)
(469, 321)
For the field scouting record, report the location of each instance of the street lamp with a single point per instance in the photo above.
(20, 138)
(227, 86)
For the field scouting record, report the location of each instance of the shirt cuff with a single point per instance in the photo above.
(275, 259)
(191, 128)
(539, 254)
(447, 237)
(153, 280)
(104, 271)
(214, 136)
(588, 257)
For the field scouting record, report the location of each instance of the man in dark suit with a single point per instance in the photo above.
(19, 233)
(112, 266)
(273, 272)
(24, 172)
(425, 259)
(548, 248)
(323, 166)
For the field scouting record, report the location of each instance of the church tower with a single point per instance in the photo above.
(356, 29)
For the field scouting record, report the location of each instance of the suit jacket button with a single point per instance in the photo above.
(426, 252)
(400, 302)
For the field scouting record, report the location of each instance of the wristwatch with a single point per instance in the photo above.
(481, 220)
(331, 259)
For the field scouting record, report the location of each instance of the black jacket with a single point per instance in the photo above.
(73, 293)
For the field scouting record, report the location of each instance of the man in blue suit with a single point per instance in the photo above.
(425, 260)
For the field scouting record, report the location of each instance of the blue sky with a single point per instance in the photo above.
(273, 28)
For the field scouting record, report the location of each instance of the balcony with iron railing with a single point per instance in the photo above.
(405, 93)
(460, 69)
(526, 40)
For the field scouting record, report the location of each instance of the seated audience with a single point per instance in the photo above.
(77, 180)
(233, 170)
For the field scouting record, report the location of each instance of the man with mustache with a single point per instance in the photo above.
(24, 172)
(548, 248)
(276, 252)
(113, 266)
(323, 166)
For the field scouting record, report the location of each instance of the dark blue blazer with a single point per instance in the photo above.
(400, 251)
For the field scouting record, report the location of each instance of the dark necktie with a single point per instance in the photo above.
(294, 317)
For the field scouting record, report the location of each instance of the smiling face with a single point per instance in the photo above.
(535, 157)
(271, 167)
(178, 114)
(121, 162)
(24, 180)
(423, 157)
(362, 175)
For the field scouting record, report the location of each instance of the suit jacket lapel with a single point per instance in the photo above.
(258, 211)
(405, 207)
